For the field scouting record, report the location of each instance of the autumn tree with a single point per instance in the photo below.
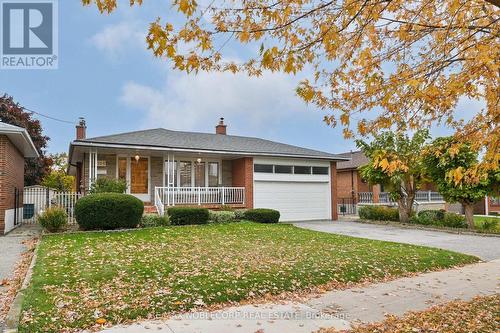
(454, 167)
(371, 65)
(58, 178)
(395, 161)
(13, 113)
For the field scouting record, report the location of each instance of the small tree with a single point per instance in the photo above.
(454, 167)
(58, 180)
(108, 185)
(396, 163)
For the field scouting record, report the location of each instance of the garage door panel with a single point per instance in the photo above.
(294, 200)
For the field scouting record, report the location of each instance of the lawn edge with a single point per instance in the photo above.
(14, 314)
(421, 227)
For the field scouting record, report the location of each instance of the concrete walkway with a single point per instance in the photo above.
(337, 308)
(484, 247)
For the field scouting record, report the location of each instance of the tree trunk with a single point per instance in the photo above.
(469, 215)
(404, 215)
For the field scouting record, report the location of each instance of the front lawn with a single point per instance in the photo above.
(492, 221)
(152, 272)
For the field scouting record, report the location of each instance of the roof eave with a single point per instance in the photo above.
(163, 148)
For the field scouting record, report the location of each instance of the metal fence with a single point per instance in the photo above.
(36, 199)
(347, 206)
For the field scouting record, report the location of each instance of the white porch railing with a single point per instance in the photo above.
(384, 197)
(172, 196)
(365, 197)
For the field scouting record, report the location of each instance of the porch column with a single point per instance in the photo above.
(92, 166)
(376, 193)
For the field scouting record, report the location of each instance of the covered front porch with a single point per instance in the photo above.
(169, 178)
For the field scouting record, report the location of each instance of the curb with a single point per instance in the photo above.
(14, 314)
(419, 227)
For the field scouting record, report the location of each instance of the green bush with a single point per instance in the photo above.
(222, 216)
(188, 215)
(153, 220)
(105, 211)
(489, 224)
(378, 213)
(53, 219)
(108, 185)
(239, 214)
(432, 214)
(226, 208)
(262, 215)
(452, 220)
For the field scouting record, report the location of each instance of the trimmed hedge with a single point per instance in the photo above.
(188, 215)
(439, 218)
(153, 220)
(262, 215)
(53, 219)
(378, 213)
(106, 211)
(222, 216)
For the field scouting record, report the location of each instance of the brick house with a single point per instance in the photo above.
(167, 168)
(15, 146)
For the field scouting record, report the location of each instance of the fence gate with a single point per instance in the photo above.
(347, 206)
(36, 199)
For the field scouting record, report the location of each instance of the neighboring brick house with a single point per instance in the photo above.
(167, 168)
(15, 146)
(349, 181)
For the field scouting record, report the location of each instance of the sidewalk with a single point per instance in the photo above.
(365, 304)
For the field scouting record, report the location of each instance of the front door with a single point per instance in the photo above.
(139, 178)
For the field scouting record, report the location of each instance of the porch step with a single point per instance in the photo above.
(150, 210)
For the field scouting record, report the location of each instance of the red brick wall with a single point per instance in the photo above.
(243, 177)
(334, 189)
(345, 181)
(11, 176)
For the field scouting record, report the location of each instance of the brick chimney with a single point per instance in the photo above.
(81, 129)
(221, 127)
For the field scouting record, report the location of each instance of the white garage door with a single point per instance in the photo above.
(295, 200)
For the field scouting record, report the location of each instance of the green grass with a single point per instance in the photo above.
(156, 271)
(480, 220)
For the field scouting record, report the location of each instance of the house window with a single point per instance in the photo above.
(122, 168)
(302, 170)
(199, 174)
(320, 170)
(213, 174)
(185, 179)
(283, 169)
(267, 168)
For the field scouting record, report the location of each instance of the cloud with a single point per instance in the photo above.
(116, 39)
(195, 102)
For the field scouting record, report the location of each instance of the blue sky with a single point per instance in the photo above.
(107, 75)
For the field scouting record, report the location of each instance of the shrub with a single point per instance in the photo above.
(239, 214)
(226, 208)
(223, 216)
(378, 213)
(108, 185)
(489, 224)
(188, 215)
(108, 211)
(153, 220)
(53, 219)
(453, 220)
(262, 215)
(433, 214)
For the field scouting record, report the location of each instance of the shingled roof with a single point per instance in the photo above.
(357, 159)
(163, 138)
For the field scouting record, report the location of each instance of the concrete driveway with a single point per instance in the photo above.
(484, 247)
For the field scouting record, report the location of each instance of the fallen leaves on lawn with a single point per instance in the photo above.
(482, 314)
(153, 273)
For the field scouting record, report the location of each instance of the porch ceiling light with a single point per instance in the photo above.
(137, 157)
(198, 160)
